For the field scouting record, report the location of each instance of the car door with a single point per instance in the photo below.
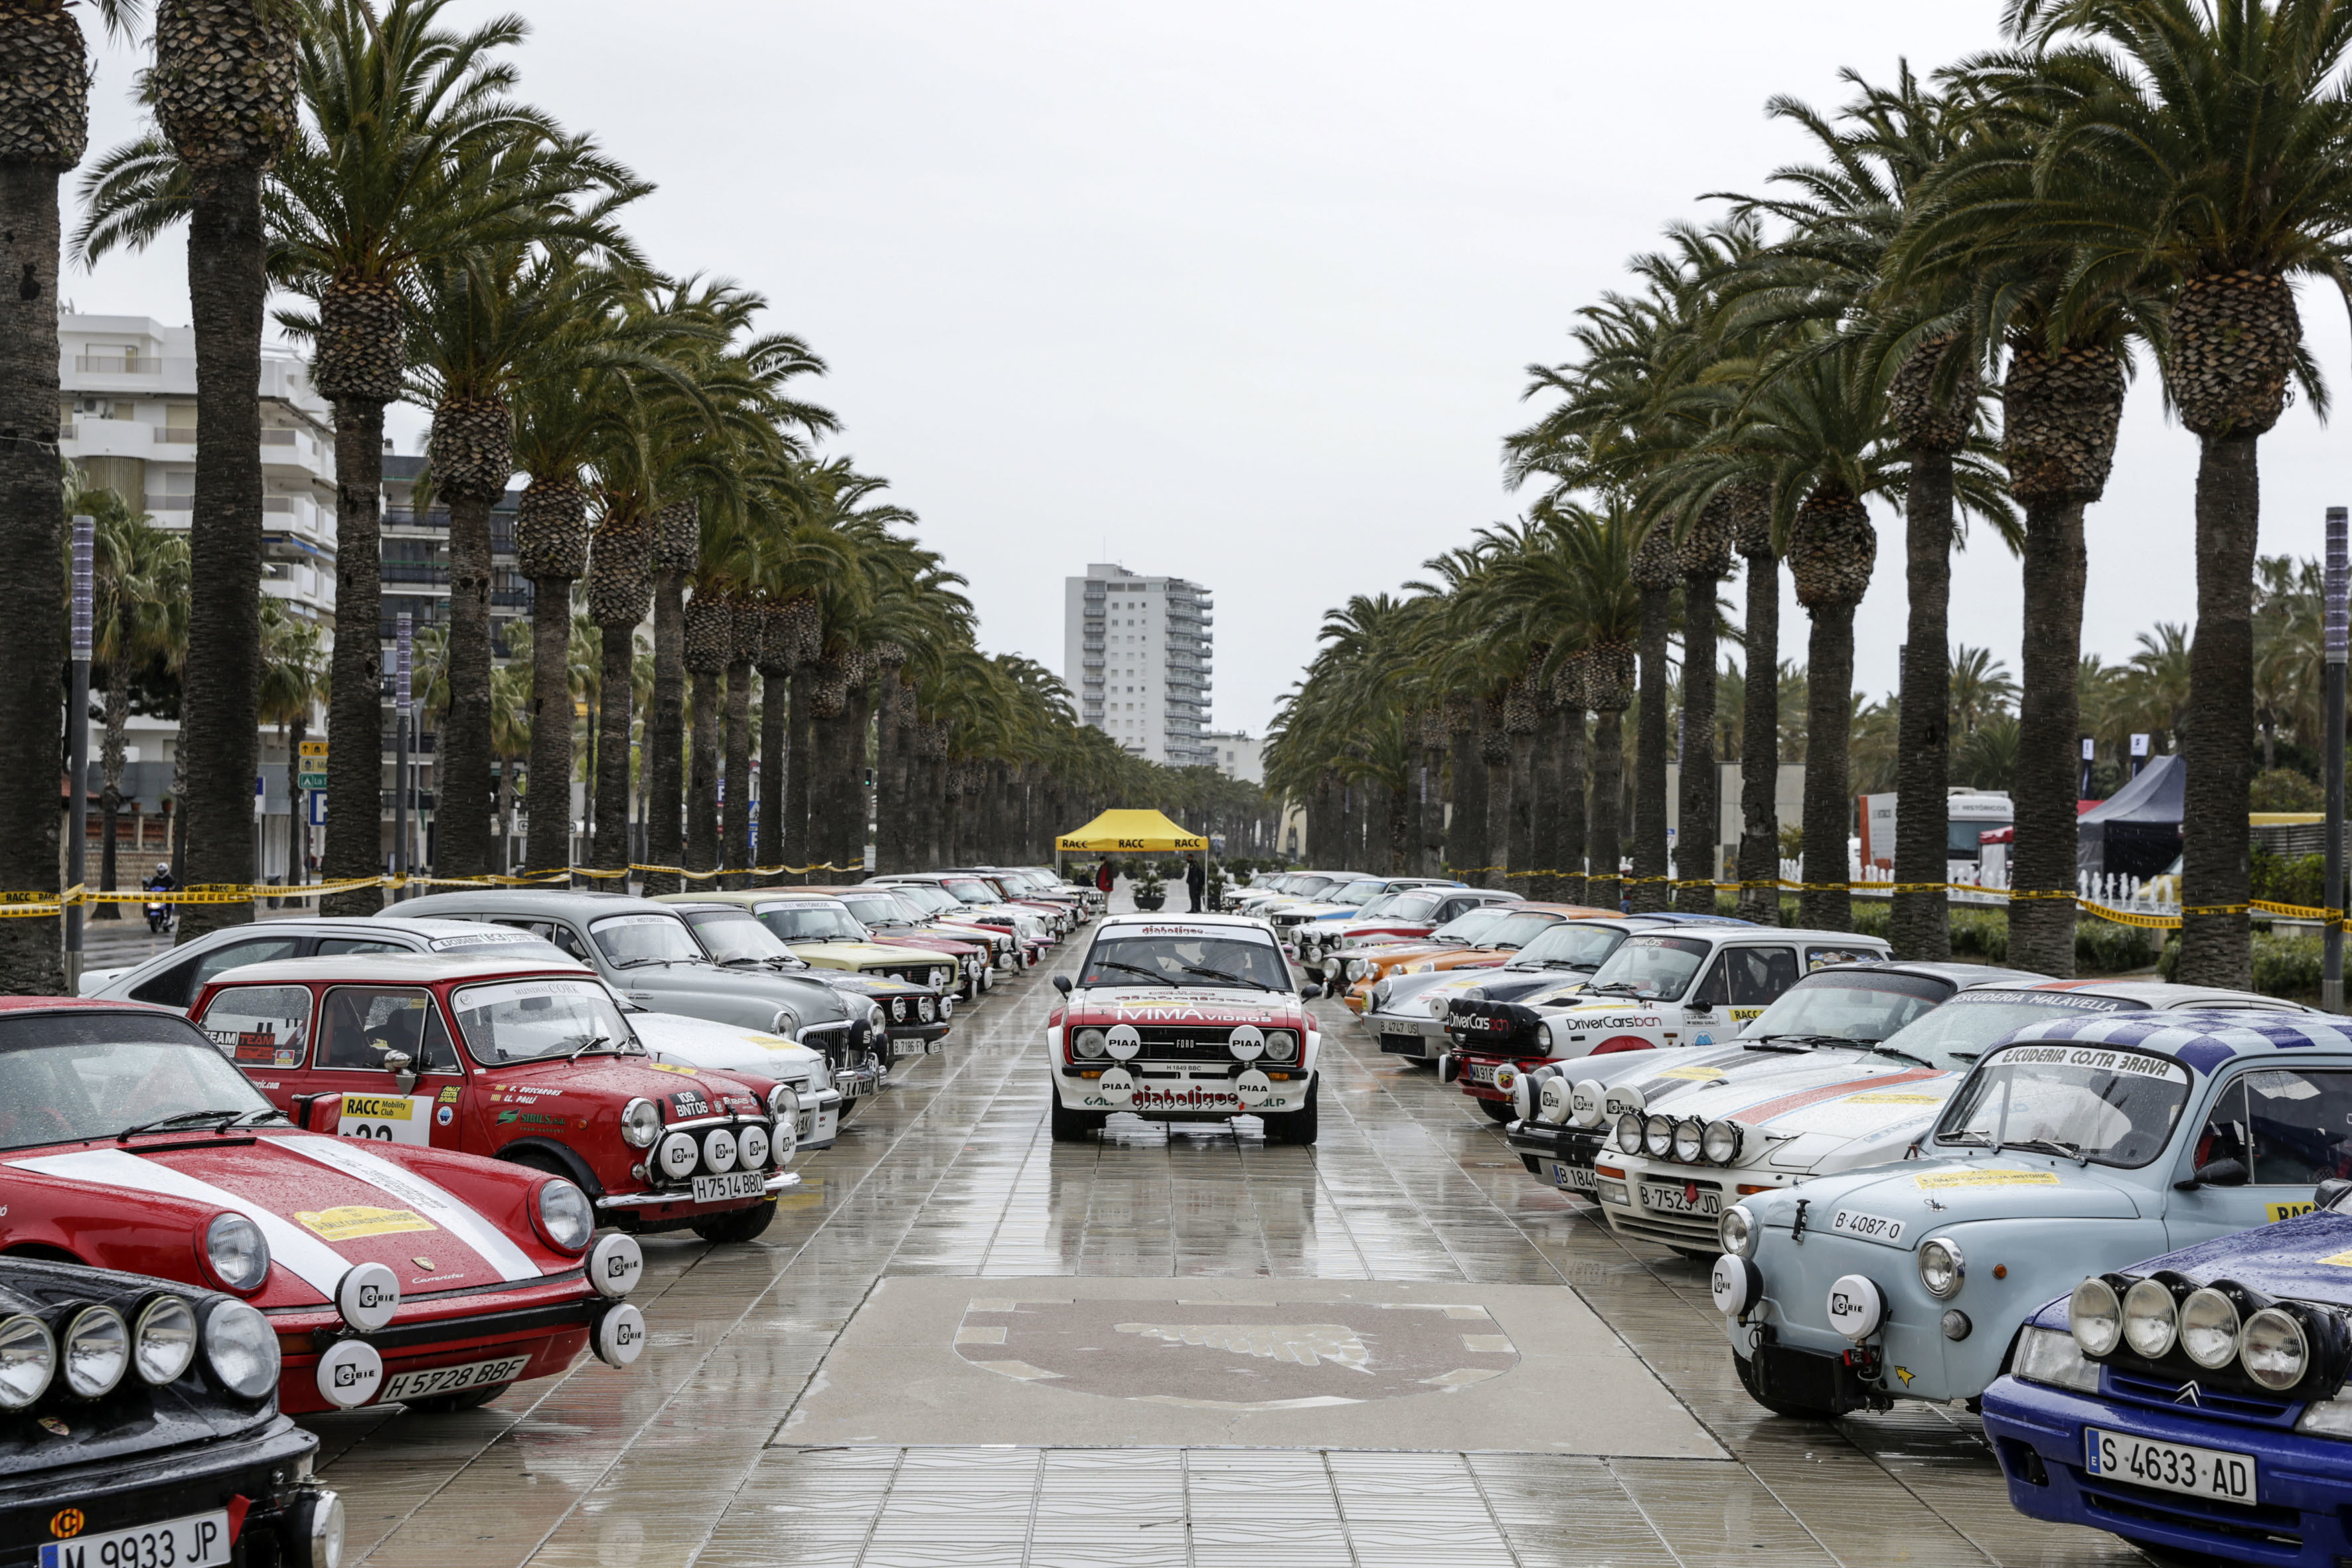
(1741, 982)
(349, 1091)
(176, 987)
(2288, 1128)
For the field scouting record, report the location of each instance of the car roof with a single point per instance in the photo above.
(745, 900)
(2166, 994)
(78, 1005)
(1239, 922)
(396, 968)
(2205, 1040)
(1544, 906)
(1961, 976)
(554, 901)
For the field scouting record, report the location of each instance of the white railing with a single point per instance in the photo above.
(2136, 895)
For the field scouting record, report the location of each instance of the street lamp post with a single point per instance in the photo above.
(2331, 970)
(85, 545)
(402, 647)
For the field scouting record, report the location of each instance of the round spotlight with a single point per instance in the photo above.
(2096, 1316)
(2151, 1320)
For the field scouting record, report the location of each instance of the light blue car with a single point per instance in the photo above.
(2076, 1146)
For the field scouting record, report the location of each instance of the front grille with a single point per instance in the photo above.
(1174, 1044)
(2164, 1394)
(1637, 1218)
(1504, 1028)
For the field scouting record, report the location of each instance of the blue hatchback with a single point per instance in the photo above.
(2196, 1404)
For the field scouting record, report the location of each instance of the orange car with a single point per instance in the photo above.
(1482, 937)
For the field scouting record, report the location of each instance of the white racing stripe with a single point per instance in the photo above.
(427, 1199)
(312, 1260)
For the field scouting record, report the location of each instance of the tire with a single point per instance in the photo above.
(733, 1229)
(1297, 1126)
(1498, 1110)
(1776, 1405)
(450, 1404)
(1075, 1126)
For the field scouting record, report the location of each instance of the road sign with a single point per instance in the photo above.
(310, 781)
(315, 749)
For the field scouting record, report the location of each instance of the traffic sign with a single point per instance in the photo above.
(310, 781)
(315, 749)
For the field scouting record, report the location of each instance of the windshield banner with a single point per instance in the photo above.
(475, 997)
(2091, 1058)
(2057, 1001)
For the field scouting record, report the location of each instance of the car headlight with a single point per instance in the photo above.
(1735, 1231)
(241, 1348)
(1435, 1005)
(565, 1215)
(1588, 1103)
(784, 1101)
(1281, 1045)
(29, 1358)
(1658, 1137)
(2151, 1318)
(1690, 1139)
(939, 978)
(2209, 1329)
(1553, 1098)
(2047, 1356)
(2095, 1318)
(874, 1017)
(97, 1350)
(1720, 1143)
(237, 1252)
(2274, 1349)
(1941, 1268)
(898, 1008)
(786, 1022)
(1354, 968)
(718, 1151)
(1380, 997)
(164, 1342)
(640, 1123)
(1087, 1043)
(1418, 966)
(1629, 1132)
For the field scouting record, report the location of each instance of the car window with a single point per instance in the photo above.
(2290, 1128)
(1570, 944)
(630, 940)
(177, 986)
(1971, 1022)
(803, 920)
(1652, 966)
(1861, 1004)
(362, 1025)
(1516, 930)
(1823, 957)
(1139, 956)
(562, 937)
(338, 946)
(1756, 977)
(261, 1026)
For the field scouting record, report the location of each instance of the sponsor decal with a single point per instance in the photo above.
(445, 1115)
(2277, 1212)
(1878, 1097)
(379, 1108)
(449, 1096)
(672, 1067)
(1741, 1014)
(2056, 1000)
(2097, 1058)
(348, 1222)
(687, 1102)
(2001, 1176)
(495, 936)
(1608, 1020)
(2339, 1260)
(1195, 1098)
(1696, 1075)
(530, 1118)
(66, 1522)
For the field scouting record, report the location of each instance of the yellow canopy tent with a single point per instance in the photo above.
(1127, 832)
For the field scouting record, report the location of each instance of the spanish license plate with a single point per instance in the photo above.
(1573, 1178)
(1868, 1226)
(907, 1048)
(2214, 1473)
(448, 1380)
(1477, 1072)
(199, 1540)
(1679, 1199)
(733, 1184)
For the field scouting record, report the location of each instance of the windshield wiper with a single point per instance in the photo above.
(1623, 987)
(181, 1118)
(588, 1042)
(1223, 974)
(1137, 969)
(1775, 1043)
(1879, 1049)
(2049, 1145)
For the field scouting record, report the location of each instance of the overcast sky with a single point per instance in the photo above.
(1245, 292)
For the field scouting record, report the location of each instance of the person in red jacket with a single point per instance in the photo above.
(1103, 878)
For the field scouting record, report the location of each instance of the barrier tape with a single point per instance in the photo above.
(43, 906)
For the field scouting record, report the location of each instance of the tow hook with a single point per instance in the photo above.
(1797, 1226)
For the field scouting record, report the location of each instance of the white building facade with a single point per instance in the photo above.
(1137, 651)
(1236, 754)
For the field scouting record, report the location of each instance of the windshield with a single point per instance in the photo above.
(2093, 1102)
(1518, 929)
(734, 935)
(1973, 1022)
(1570, 944)
(1215, 958)
(67, 1077)
(1650, 966)
(1405, 907)
(628, 940)
(926, 898)
(1468, 927)
(527, 1020)
(871, 912)
(1311, 887)
(1964, 840)
(1862, 1008)
(966, 891)
(1356, 894)
(1385, 904)
(807, 920)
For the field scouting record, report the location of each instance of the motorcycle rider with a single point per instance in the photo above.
(161, 916)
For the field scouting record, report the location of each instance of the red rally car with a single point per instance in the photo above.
(529, 1063)
(385, 1272)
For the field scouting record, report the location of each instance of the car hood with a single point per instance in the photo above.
(1314, 912)
(864, 953)
(1146, 1005)
(603, 1082)
(1822, 1111)
(1527, 985)
(816, 1002)
(2308, 1258)
(699, 1043)
(2005, 1187)
(324, 1204)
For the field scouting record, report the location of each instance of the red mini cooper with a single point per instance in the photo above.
(533, 1063)
(361, 1273)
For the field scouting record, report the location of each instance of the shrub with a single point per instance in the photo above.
(2289, 878)
(2283, 789)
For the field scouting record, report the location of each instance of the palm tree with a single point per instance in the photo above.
(710, 638)
(2203, 149)
(511, 739)
(1657, 572)
(1982, 688)
(620, 590)
(140, 608)
(1753, 535)
(293, 676)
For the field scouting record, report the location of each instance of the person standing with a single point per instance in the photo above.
(1103, 876)
(1196, 882)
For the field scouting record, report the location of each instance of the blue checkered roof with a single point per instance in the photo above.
(2204, 1040)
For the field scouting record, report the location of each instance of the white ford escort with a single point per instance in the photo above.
(1184, 1019)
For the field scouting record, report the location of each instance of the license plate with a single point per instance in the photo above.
(907, 1048)
(1478, 1074)
(199, 1540)
(2213, 1473)
(1868, 1228)
(1573, 1178)
(446, 1379)
(733, 1184)
(1678, 1200)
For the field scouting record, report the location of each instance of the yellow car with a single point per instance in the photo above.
(822, 932)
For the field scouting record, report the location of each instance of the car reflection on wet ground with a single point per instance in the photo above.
(1613, 1429)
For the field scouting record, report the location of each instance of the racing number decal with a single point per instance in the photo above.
(387, 1118)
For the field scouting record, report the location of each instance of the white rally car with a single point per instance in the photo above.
(1184, 1019)
(718, 1047)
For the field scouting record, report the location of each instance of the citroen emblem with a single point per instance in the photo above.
(2189, 1394)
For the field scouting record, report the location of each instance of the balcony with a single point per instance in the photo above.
(179, 436)
(119, 365)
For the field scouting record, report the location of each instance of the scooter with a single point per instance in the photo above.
(161, 918)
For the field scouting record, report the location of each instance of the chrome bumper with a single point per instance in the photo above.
(776, 1183)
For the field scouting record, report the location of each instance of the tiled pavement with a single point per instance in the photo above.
(680, 1461)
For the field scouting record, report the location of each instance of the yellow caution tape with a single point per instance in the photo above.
(40, 906)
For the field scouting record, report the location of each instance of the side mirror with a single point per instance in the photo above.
(2332, 1193)
(2215, 1173)
(400, 1066)
(1309, 990)
(1062, 983)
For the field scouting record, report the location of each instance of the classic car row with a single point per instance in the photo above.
(312, 1165)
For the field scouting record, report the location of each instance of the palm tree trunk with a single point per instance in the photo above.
(1603, 885)
(1920, 924)
(735, 833)
(1759, 745)
(1401, 861)
(1465, 833)
(1698, 809)
(1648, 887)
(702, 777)
(548, 847)
(355, 838)
(1409, 802)
(227, 286)
(110, 767)
(1543, 817)
(1566, 848)
(1519, 841)
(2043, 786)
(609, 850)
(665, 759)
(1825, 903)
(2216, 941)
(773, 766)
(464, 789)
(792, 839)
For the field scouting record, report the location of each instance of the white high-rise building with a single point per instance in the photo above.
(1137, 651)
(1237, 754)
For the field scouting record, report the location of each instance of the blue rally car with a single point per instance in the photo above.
(2196, 1404)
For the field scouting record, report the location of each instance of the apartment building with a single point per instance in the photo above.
(1237, 754)
(1138, 650)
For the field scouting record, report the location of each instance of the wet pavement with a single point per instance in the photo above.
(734, 1443)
